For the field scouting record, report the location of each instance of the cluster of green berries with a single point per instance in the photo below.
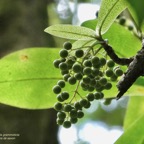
(86, 70)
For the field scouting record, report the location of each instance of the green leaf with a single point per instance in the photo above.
(71, 32)
(136, 8)
(134, 110)
(125, 44)
(134, 134)
(27, 78)
(109, 10)
(122, 40)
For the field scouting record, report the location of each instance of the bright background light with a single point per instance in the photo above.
(91, 132)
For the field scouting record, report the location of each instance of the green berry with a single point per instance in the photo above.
(61, 115)
(63, 72)
(95, 72)
(63, 53)
(95, 60)
(83, 85)
(108, 86)
(86, 80)
(56, 89)
(83, 102)
(59, 98)
(56, 63)
(87, 71)
(108, 101)
(110, 63)
(79, 53)
(87, 105)
(87, 63)
(60, 121)
(97, 95)
(66, 76)
(77, 106)
(63, 66)
(73, 113)
(73, 120)
(65, 95)
(90, 88)
(102, 61)
(77, 68)
(130, 27)
(90, 96)
(118, 72)
(67, 45)
(102, 81)
(78, 76)
(66, 124)
(72, 80)
(58, 106)
(61, 83)
(113, 77)
(70, 62)
(109, 72)
(67, 108)
(80, 114)
(122, 21)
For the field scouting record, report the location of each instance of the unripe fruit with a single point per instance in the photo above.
(65, 95)
(95, 60)
(72, 80)
(86, 80)
(63, 72)
(63, 66)
(108, 101)
(109, 72)
(61, 115)
(91, 88)
(79, 53)
(102, 61)
(58, 106)
(73, 120)
(80, 114)
(87, 63)
(87, 105)
(67, 108)
(130, 27)
(108, 86)
(90, 96)
(110, 63)
(73, 113)
(102, 81)
(67, 45)
(66, 76)
(95, 72)
(61, 83)
(56, 89)
(97, 95)
(56, 63)
(78, 76)
(87, 70)
(77, 106)
(113, 77)
(83, 102)
(77, 68)
(122, 21)
(66, 124)
(59, 98)
(63, 53)
(59, 121)
(118, 72)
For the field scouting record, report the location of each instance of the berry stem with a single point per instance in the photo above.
(75, 92)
